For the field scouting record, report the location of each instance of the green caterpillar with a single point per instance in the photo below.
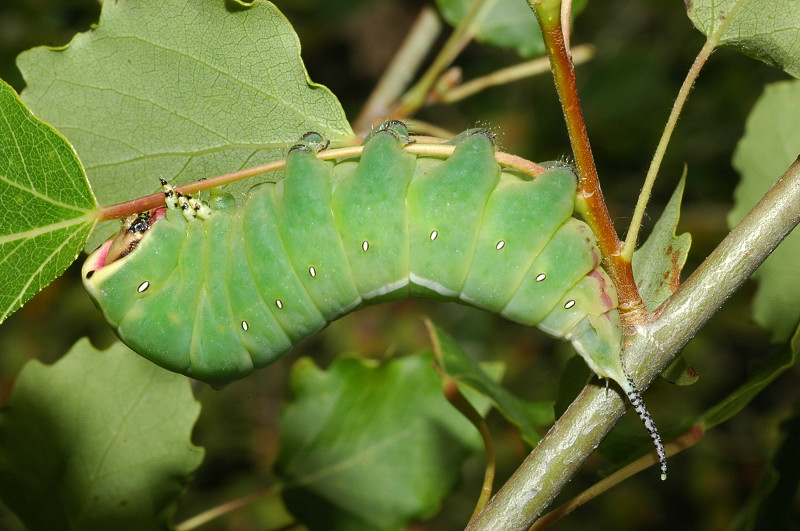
(216, 291)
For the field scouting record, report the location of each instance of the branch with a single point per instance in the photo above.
(592, 415)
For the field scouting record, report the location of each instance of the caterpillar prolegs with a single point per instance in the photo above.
(216, 291)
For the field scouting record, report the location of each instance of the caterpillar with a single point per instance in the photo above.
(215, 291)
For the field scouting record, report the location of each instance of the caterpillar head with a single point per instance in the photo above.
(134, 228)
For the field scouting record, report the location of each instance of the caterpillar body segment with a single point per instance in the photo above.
(235, 291)
(369, 205)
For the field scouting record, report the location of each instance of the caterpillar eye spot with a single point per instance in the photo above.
(540, 277)
(143, 286)
(365, 246)
(434, 235)
(312, 271)
(279, 304)
(90, 274)
(500, 245)
(245, 326)
(569, 304)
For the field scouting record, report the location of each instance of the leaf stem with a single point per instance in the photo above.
(227, 507)
(658, 156)
(580, 54)
(712, 41)
(453, 395)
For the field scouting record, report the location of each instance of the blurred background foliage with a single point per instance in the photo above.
(643, 52)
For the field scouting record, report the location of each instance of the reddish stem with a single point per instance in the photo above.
(420, 146)
(590, 204)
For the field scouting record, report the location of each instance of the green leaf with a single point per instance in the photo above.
(502, 23)
(679, 372)
(657, 267)
(767, 30)
(100, 440)
(526, 416)
(366, 446)
(761, 374)
(657, 264)
(179, 90)
(46, 207)
(770, 144)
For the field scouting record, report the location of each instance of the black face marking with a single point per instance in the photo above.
(140, 224)
(90, 274)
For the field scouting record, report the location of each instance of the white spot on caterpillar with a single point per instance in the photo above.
(434, 234)
(570, 303)
(143, 286)
(365, 246)
(279, 304)
(312, 271)
(245, 326)
(540, 277)
(500, 245)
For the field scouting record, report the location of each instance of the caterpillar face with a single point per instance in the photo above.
(125, 241)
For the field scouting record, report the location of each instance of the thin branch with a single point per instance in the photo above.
(420, 146)
(461, 36)
(220, 510)
(580, 54)
(658, 156)
(644, 196)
